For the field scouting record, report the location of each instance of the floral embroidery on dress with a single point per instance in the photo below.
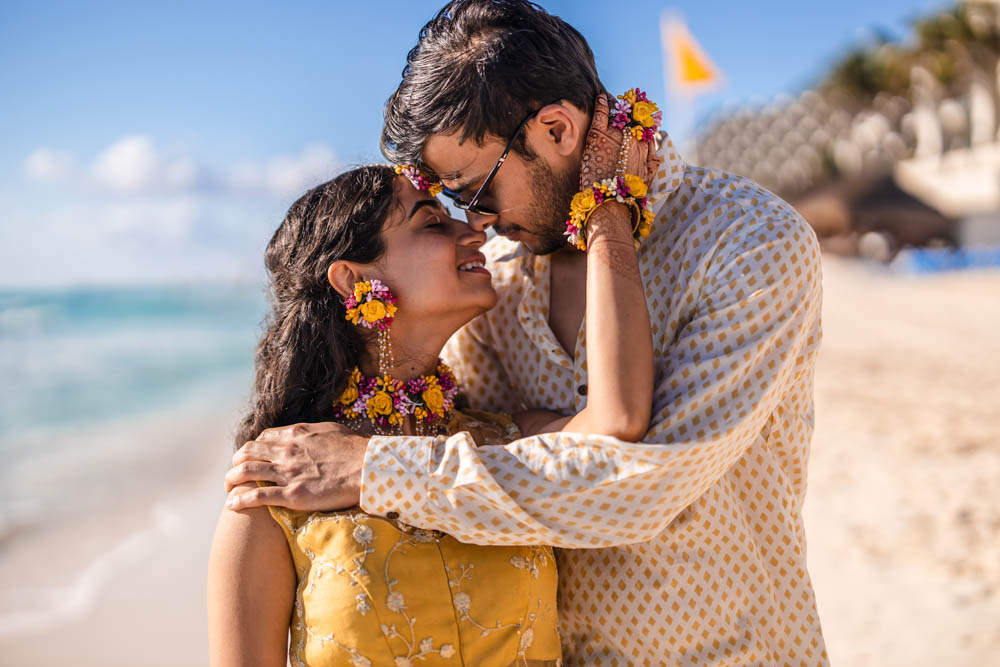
(370, 568)
(531, 564)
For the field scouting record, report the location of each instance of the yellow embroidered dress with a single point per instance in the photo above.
(373, 591)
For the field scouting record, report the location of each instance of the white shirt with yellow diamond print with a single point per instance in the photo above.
(687, 548)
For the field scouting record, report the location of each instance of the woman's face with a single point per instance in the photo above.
(432, 263)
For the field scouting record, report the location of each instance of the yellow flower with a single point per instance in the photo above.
(350, 394)
(381, 403)
(373, 311)
(435, 189)
(352, 315)
(434, 400)
(643, 112)
(635, 185)
(390, 309)
(646, 223)
(395, 419)
(629, 96)
(362, 288)
(637, 133)
(583, 201)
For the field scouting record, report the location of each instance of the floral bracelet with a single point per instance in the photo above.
(628, 189)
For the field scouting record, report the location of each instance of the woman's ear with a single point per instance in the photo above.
(342, 276)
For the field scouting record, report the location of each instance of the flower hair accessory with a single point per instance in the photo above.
(636, 115)
(371, 305)
(419, 179)
(386, 402)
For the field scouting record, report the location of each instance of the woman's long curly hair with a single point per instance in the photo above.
(308, 347)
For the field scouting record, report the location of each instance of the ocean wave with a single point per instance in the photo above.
(23, 320)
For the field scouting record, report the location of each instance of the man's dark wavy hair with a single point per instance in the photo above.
(481, 66)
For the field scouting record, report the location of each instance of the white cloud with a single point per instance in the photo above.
(286, 176)
(49, 166)
(169, 220)
(136, 211)
(172, 237)
(133, 165)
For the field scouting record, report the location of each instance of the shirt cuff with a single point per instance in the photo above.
(394, 477)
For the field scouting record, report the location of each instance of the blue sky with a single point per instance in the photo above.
(151, 142)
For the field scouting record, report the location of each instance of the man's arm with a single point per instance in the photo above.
(756, 330)
(732, 363)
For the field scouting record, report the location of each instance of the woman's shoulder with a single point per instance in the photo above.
(486, 428)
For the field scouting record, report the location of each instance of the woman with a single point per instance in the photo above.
(363, 590)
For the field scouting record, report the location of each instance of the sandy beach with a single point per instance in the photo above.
(902, 513)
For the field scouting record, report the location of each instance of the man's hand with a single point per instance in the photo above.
(315, 467)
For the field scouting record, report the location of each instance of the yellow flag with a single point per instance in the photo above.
(690, 69)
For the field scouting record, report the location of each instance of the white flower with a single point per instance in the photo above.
(462, 602)
(360, 661)
(426, 645)
(447, 651)
(403, 662)
(527, 637)
(395, 602)
(363, 605)
(421, 535)
(363, 534)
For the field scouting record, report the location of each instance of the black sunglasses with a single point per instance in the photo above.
(471, 205)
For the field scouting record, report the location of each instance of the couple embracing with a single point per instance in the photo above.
(609, 464)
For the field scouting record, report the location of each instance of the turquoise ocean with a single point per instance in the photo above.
(110, 397)
(73, 360)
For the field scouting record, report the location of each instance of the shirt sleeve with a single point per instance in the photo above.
(753, 331)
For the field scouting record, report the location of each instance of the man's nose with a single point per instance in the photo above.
(480, 222)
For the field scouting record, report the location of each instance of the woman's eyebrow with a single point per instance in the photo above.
(420, 203)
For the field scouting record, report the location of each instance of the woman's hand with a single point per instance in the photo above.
(602, 150)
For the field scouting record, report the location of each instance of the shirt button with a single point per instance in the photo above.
(582, 390)
(392, 515)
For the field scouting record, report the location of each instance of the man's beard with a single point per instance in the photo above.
(551, 194)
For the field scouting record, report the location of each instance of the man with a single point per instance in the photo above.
(688, 547)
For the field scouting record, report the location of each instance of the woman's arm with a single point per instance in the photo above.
(619, 342)
(251, 589)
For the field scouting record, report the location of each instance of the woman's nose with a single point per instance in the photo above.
(470, 236)
(480, 222)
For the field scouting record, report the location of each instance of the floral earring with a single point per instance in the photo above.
(373, 306)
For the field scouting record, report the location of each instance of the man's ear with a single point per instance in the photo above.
(560, 127)
(342, 276)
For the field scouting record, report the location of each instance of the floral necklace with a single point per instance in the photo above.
(385, 401)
